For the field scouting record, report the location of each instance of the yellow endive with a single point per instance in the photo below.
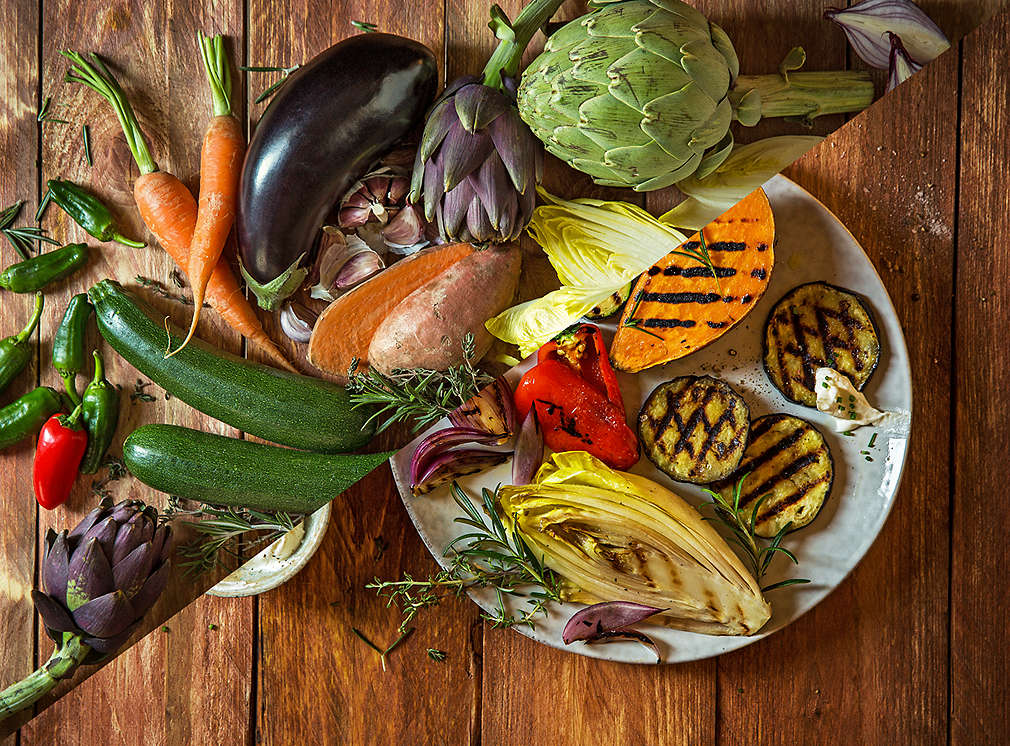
(617, 536)
(596, 247)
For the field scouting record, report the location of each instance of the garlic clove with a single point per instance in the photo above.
(297, 321)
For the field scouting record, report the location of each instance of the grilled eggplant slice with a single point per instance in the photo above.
(611, 305)
(788, 464)
(818, 326)
(694, 428)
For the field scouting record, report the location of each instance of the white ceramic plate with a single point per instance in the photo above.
(811, 245)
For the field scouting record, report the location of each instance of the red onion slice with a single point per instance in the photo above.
(529, 450)
(602, 619)
(629, 634)
(441, 441)
(452, 465)
(490, 411)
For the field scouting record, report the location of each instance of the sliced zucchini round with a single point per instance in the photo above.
(611, 305)
(788, 469)
(813, 326)
(694, 428)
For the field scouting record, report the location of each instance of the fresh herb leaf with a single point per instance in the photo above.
(424, 396)
(700, 255)
(636, 323)
(740, 524)
(368, 28)
(436, 655)
(272, 89)
(404, 634)
(44, 115)
(138, 392)
(22, 239)
(87, 146)
(116, 471)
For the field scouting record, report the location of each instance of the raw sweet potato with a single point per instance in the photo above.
(677, 307)
(426, 329)
(345, 329)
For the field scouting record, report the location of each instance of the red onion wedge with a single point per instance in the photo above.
(903, 66)
(452, 465)
(490, 411)
(610, 620)
(866, 25)
(441, 441)
(529, 450)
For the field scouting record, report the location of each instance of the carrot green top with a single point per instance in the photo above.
(96, 75)
(215, 62)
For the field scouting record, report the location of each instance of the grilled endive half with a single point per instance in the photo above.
(615, 536)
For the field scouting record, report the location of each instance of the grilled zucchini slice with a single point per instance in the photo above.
(694, 428)
(611, 305)
(787, 460)
(818, 326)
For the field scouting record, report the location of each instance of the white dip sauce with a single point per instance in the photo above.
(838, 397)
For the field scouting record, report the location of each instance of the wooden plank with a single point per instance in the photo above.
(315, 675)
(979, 598)
(18, 153)
(878, 643)
(153, 49)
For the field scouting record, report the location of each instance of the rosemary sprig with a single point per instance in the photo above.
(43, 204)
(87, 144)
(383, 654)
(488, 556)
(222, 531)
(424, 396)
(272, 89)
(44, 115)
(21, 238)
(741, 527)
(636, 323)
(436, 655)
(368, 28)
(700, 255)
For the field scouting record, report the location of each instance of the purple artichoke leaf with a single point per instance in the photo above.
(462, 153)
(508, 135)
(102, 647)
(127, 539)
(608, 616)
(440, 121)
(479, 223)
(106, 616)
(152, 589)
(54, 616)
(478, 105)
(50, 538)
(90, 519)
(162, 543)
(130, 574)
(56, 568)
(463, 80)
(89, 574)
(105, 532)
(454, 209)
(491, 184)
(432, 189)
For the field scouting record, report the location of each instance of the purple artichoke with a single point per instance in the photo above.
(103, 576)
(478, 165)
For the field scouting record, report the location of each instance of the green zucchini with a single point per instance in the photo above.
(219, 470)
(275, 405)
(608, 307)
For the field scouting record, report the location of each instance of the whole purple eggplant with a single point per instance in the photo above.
(326, 125)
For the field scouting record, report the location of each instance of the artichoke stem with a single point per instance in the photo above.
(505, 59)
(62, 663)
(806, 94)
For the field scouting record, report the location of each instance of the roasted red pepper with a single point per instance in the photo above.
(578, 403)
(58, 455)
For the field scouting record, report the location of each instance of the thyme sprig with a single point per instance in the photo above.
(22, 238)
(488, 556)
(741, 524)
(424, 396)
(272, 89)
(224, 531)
(700, 255)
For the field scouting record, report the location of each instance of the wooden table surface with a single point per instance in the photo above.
(911, 648)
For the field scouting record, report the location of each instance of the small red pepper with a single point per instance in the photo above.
(58, 455)
(578, 403)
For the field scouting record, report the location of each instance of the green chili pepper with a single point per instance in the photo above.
(38, 271)
(101, 415)
(16, 350)
(68, 344)
(88, 211)
(27, 415)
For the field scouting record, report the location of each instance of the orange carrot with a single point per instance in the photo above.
(220, 168)
(170, 211)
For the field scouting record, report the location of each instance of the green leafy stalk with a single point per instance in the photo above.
(740, 524)
(62, 663)
(215, 62)
(514, 38)
(22, 239)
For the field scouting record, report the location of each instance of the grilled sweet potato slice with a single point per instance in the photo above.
(818, 325)
(677, 306)
(789, 471)
(694, 428)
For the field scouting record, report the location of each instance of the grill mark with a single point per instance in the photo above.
(675, 271)
(762, 425)
(676, 298)
(768, 485)
(718, 246)
(686, 429)
(773, 450)
(664, 423)
(668, 323)
(717, 324)
(762, 247)
(713, 431)
(802, 350)
(790, 500)
(759, 273)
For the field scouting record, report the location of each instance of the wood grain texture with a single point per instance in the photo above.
(979, 593)
(18, 153)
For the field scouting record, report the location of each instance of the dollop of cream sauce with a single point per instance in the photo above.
(848, 407)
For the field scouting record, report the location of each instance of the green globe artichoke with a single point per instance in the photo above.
(98, 582)
(641, 93)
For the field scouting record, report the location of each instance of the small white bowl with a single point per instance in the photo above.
(265, 571)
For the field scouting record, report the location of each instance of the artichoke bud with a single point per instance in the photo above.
(616, 536)
(478, 165)
(99, 579)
